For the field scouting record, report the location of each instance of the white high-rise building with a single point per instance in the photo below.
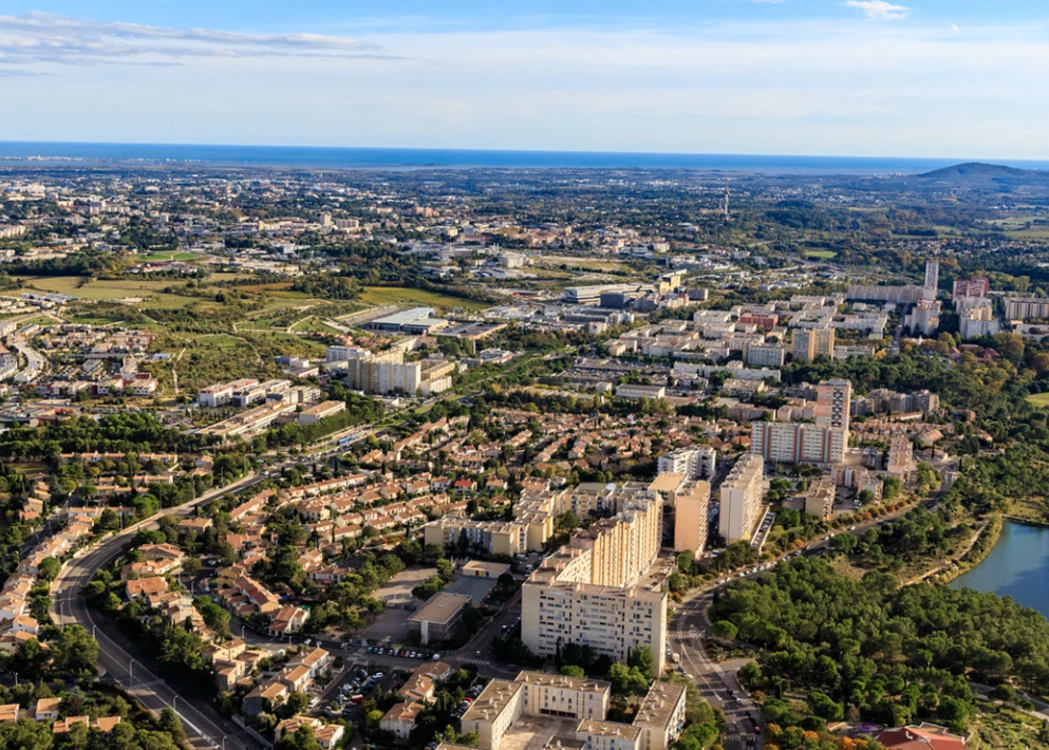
(741, 494)
(698, 462)
(932, 274)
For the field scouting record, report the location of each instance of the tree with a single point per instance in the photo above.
(641, 659)
(48, 569)
(844, 542)
(76, 651)
(172, 724)
(725, 630)
(573, 670)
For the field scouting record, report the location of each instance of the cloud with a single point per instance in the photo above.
(955, 27)
(49, 38)
(879, 10)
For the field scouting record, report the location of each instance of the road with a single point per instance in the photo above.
(205, 727)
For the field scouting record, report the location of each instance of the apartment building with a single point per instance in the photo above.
(1026, 308)
(924, 317)
(792, 443)
(764, 355)
(658, 723)
(741, 494)
(809, 343)
(699, 462)
(977, 286)
(833, 401)
(691, 514)
(599, 589)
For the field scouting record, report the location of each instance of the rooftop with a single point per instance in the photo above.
(492, 700)
(657, 708)
(440, 608)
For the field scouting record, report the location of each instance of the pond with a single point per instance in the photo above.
(1018, 566)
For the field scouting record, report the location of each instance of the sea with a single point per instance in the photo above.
(306, 157)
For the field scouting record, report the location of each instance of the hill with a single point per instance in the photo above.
(976, 175)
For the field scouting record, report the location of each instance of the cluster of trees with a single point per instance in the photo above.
(876, 650)
(137, 730)
(920, 534)
(124, 432)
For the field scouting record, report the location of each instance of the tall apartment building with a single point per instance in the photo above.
(598, 590)
(699, 462)
(1026, 308)
(924, 317)
(691, 514)
(977, 286)
(976, 317)
(387, 372)
(932, 274)
(741, 494)
(810, 343)
(833, 399)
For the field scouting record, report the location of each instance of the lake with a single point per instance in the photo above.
(1018, 566)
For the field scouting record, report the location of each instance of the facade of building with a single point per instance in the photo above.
(833, 402)
(978, 286)
(691, 516)
(765, 355)
(793, 443)
(810, 343)
(1026, 308)
(741, 494)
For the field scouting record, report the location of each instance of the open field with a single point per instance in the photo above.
(169, 256)
(398, 295)
(820, 254)
(110, 289)
(1040, 400)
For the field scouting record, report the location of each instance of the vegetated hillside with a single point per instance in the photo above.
(974, 174)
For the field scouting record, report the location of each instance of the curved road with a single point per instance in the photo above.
(205, 727)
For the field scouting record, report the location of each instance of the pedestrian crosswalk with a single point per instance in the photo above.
(479, 661)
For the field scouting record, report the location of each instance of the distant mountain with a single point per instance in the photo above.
(976, 175)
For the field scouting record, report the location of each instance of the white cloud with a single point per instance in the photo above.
(955, 27)
(49, 38)
(879, 10)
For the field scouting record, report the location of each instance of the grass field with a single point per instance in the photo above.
(1039, 399)
(820, 254)
(396, 295)
(169, 256)
(109, 289)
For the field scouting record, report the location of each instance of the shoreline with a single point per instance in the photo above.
(982, 547)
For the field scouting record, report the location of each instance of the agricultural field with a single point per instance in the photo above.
(404, 296)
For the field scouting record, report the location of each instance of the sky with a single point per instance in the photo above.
(922, 78)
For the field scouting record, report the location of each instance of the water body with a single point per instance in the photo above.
(414, 158)
(1018, 566)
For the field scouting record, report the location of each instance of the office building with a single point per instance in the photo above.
(810, 343)
(741, 494)
(438, 618)
(600, 590)
(698, 462)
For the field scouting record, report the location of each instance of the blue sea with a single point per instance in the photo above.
(13, 152)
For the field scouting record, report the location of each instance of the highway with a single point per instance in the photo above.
(205, 727)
